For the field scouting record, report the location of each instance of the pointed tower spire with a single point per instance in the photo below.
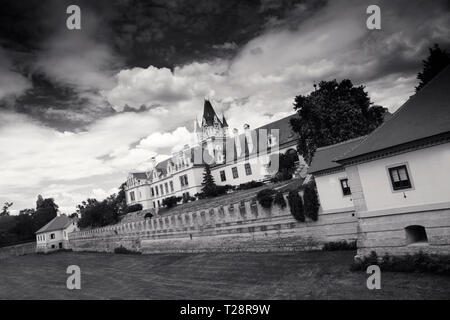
(208, 114)
(198, 130)
(224, 121)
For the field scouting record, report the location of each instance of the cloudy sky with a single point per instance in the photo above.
(79, 109)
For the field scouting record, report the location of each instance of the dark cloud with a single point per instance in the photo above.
(67, 68)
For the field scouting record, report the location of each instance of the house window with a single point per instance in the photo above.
(159, 204)
(154, 205)
(156, 189)
(222, 176)
(416, 234)
(132, 195)
(399, 177)
(161, 189)
(52, 236)
(235, 172)
(248, 169)
(171, 186)
(345, 187)
(153, 192)
(140, 195)
(167, 187)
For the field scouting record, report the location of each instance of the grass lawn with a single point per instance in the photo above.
(305, 275)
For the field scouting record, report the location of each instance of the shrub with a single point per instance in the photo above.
(148, 215)
(419, 262)
(171, 202)
(265, 198)
(187, 198)
(296, 204)
(250, 185)
(311, 202)
(123, 250)
(281, 175)
(279, 200)
(134, 208)
(339, 245)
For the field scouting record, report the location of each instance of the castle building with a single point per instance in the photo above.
(234, 158)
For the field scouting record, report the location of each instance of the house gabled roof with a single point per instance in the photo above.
(58, 223)
(424, 115)
(324, 156)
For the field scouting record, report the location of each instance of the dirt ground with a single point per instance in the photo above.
(299, 275)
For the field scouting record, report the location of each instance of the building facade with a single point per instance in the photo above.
(234, 159)
(55, 234)
(396, 178)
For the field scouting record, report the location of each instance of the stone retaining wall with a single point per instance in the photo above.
(241, 226)
(384, 232)
(17, 250)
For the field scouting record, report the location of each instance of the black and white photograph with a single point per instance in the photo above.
(227, 155)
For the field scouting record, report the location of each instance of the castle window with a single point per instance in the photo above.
(161, 189)
(248, 169)
(235, 172)
(416, 234)
(400, 178)
(52, 236)
(171, 186)
(345, 187)
(132, 196)
(223, 176)
(154, 205)
(153, 192)
(184, 180)
(156, 189)
(167, 187)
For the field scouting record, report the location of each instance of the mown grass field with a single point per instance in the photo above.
(306, 275)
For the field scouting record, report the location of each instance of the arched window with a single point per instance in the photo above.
(416, 234)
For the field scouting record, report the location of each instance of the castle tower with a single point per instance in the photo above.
(212, 126)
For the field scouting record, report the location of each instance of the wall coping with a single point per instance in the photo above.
(403, 210)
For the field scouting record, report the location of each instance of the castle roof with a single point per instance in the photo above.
(224, 122)
(139, 175)
(209, 114)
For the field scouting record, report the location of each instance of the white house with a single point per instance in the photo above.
(397, 177)
(234, 159)
(55, 234)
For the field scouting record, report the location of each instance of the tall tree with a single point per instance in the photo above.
(436, 61)
(46, 210)
(209, 187)
(5, 211)
(335, 112)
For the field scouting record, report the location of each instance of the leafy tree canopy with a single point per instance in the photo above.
(436, 61)
(335, 112)
(5, 211)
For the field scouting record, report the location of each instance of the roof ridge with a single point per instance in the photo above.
(340, 143)
(405, 106)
